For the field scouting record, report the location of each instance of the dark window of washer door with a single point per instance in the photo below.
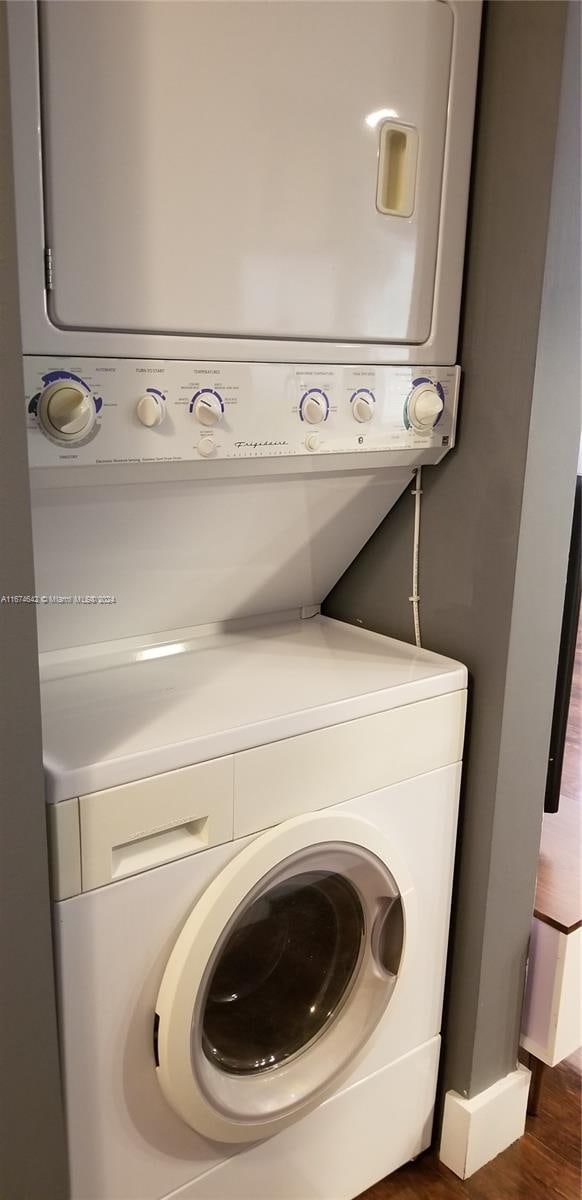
(283, 972)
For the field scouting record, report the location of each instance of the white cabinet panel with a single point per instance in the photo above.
(552, 1015)
(317, 769)
(213, 168)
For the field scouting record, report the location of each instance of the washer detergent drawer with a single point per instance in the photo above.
(107, 836)
(330, 765)
(246, 169)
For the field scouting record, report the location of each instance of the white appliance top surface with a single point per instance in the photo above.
(171, 705)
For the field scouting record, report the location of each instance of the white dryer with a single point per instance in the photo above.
(252, 840)
(244, 180)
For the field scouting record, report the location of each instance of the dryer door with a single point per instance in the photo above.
(280, 975)
(246, 169)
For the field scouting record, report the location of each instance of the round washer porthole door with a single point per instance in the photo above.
(280, 975)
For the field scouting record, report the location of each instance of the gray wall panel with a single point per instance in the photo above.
(32, 1146)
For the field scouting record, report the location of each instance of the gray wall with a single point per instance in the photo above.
(32, 1149)
(496, 523)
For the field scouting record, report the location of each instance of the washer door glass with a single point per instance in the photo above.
(283, 972)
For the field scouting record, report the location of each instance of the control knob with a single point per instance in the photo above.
(424, 407)
(66, 411)
(363, 406)
(314, 407)
(151, 409)
(207, 407)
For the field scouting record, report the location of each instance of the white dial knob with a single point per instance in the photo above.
(363, 407)
(314, 408)
(206, 446)
(66, 411)
(424, 407)
(313, 441)
(151, 409)
(207, 408)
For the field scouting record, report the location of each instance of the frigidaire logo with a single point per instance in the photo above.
(257, 445)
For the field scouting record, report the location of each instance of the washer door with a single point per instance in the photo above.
(280, 975)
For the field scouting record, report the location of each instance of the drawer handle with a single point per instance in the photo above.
(151, 849)
(397, 158)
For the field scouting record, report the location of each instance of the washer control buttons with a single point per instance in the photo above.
(362, 403)
(151, 408)
(314, 406)
(207, 406)
(191, 411)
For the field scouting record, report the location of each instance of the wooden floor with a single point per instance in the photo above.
(545, 1163)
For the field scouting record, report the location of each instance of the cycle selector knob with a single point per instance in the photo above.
(314, 407)
(151, 409)
(363, 406)
(66, 411)
(207, 407)
(424, 407)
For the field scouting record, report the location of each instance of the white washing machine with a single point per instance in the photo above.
(252, 843)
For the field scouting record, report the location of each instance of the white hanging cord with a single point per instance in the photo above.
(415, 598)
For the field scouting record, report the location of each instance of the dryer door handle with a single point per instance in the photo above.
(397, 159)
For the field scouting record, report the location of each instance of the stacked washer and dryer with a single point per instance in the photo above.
(240, 235)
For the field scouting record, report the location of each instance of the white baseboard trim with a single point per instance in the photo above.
(476, 1130)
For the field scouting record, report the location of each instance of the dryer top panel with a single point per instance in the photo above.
(245, 169)
(170, 705)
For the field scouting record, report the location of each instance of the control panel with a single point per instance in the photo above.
(95, 411)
